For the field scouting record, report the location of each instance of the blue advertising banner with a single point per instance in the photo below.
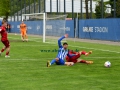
(0, 23)
(36, 27)
(102, 29)
(70, 28)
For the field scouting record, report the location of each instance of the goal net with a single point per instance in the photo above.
(51, 27)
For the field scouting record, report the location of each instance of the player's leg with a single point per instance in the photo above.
(84, 61)
(7, 51)
(85, 53)
(67, 59)
(62, 62)
(2, 50)
(7, 44)
(73, 58)
(22, 35)
(69, 63)
(26, 37)
(6, 47)
(52, 62)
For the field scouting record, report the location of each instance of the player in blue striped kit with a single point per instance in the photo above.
(62, 52)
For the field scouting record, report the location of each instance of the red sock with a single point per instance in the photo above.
(7, 53)
(2, 50)
(83, 52)
(83, 61)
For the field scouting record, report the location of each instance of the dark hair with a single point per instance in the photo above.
(65, 43)
(4, 21)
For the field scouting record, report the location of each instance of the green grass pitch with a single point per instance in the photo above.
(26, 68)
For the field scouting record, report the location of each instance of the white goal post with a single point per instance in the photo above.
(44, 23)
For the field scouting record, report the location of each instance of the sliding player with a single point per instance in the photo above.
(75, 58)
(62, 52)
(23, 30)
(4, 38)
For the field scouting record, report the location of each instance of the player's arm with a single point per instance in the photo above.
(2, 29)
(59, 40)
(73, 54)
(20, 27)
(70, 55)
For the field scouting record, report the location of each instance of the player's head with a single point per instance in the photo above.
(65, 45)
(4, 22)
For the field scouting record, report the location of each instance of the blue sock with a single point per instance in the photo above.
(53, 61)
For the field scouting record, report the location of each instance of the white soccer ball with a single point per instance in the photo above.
(107, 64)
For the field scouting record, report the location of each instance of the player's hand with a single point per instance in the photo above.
(66, 35)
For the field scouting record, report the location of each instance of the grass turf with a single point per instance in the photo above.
(26, 68)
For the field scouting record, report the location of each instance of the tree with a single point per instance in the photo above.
(5, 8)
(98, 10)
(86, 7)
(118, 8)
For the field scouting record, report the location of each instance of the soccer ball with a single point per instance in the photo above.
(107, 64)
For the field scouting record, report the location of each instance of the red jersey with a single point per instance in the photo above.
(72, 52)
(73, 58)
(3, 33)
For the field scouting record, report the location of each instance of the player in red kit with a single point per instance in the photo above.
(4, 39)
(78, 54)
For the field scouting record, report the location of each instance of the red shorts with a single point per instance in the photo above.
(6, 43)
(73, 58)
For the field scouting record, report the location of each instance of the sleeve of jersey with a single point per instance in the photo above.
(2, 29)
(59, 41)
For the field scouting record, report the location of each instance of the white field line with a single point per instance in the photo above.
(82, 47)
(25, 59)
(35, 39)
(32, 45)
(96, 49)
(28, 38)
(8, 59)
(105, 57)
(52, 58)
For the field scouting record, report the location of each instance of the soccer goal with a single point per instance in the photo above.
(53, 26)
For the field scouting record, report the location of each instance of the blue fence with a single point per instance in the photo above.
(0, 23)
(36, 27)
(102, 29)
